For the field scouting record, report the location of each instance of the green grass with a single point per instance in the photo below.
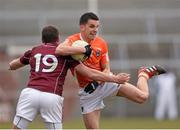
(138, 123)
(112, 123)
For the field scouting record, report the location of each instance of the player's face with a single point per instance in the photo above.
(90, 29)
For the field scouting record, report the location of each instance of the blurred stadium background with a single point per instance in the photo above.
(139, 32)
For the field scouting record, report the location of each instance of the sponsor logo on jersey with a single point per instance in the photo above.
(98, 53)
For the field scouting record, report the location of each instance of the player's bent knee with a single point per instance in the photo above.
(143, 98)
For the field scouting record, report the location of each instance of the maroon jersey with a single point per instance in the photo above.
(48, 70)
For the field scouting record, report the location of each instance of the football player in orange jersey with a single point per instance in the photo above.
(91, 92)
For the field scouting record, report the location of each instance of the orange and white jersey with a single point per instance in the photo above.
(98, 57)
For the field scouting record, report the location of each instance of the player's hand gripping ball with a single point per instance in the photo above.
(83, 56)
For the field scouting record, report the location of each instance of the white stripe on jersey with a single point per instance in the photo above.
(59, 76)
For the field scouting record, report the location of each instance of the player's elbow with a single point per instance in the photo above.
(15, 64)
(11, 67)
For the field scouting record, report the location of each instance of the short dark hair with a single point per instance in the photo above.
(85, 17)
(50, 34)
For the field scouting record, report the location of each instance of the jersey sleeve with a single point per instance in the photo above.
(68, 42)
(71, 39)
(105, 55)
(24, 59)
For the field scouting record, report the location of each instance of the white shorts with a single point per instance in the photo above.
(94, 101)
(32, 102)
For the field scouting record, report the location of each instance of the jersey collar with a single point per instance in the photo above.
(81, 38)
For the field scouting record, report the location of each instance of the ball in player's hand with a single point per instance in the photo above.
(79, 57)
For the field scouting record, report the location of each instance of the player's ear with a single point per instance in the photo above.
(82, 27)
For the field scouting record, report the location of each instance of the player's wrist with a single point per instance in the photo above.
(88, 50)
(114, 78)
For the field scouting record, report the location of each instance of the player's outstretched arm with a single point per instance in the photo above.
(100, 76)
(15, 64)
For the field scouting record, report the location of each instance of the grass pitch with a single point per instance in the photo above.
(111, 123)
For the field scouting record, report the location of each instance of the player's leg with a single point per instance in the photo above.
(91, 120)
(51, 110)
(172, 105)
(140, 93)
(53, 126)
(27, 108)
(161, 105)
(134, 93)
(91, 104)
(20, 123)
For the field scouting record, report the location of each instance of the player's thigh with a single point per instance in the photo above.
(94, 101)
(109, 89)
(51, 107)
(129, 91)
(27, 105)
(20, 123)
(91, 120)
